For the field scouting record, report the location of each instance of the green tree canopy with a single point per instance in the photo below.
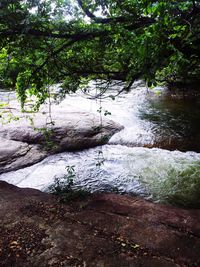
(72, 42)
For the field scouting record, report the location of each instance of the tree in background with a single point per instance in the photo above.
(72, 42)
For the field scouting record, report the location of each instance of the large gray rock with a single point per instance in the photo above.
(68, 131)
(27, 141)
(15, 155)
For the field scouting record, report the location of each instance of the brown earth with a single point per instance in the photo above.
(104, 230)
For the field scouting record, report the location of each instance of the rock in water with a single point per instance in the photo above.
(15, 155)
(23, 143)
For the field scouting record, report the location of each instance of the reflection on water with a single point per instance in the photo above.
(178, 120)
(150, 117)
(150, 120)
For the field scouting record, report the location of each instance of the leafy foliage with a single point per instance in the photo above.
(72, 42)
(64, 188)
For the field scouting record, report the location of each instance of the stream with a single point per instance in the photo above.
(156, 155)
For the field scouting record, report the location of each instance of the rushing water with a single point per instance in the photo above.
(6, 96)
(125, 165)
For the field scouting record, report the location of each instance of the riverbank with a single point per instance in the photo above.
(104, 230)
(136, 160)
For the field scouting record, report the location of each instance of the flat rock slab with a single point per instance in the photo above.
(31, 138)
(68, 130)
(104, 230)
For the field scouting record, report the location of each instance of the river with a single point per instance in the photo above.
(156, 155)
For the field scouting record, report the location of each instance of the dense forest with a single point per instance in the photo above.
(73, 42)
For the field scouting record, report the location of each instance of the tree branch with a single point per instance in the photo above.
(38, 33)
(139, 23)
(86, 10)
(76, 38)
(121, 19)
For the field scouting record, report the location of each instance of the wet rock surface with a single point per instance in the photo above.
(28, 141)
(15, 155)
(102, 230)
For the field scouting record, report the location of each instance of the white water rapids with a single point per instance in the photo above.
(124, 165)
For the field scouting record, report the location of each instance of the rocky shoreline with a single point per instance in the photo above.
(104, 230)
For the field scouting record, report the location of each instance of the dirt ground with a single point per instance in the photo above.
(103, 230)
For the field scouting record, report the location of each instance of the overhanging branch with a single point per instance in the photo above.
(38, 33)
(122, 19)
